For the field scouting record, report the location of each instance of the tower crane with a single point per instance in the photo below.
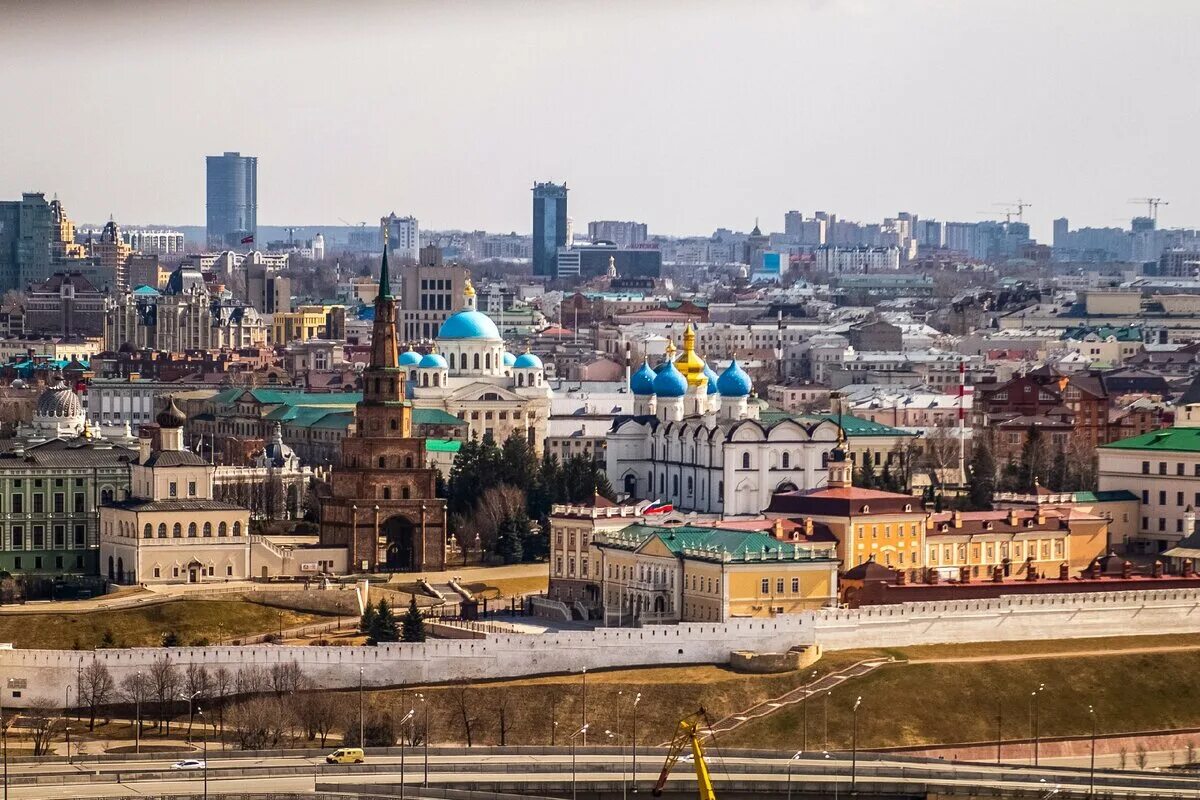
(1152, 204)
(688, 735)
(1019, 207)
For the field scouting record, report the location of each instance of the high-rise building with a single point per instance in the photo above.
(622, 234)
(1062, 227)
(232, 211)
(402, 236)
(26, 232)
(431, 292)
(549, 225)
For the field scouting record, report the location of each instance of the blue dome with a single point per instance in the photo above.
(670, 382)
(528, 361)
(433, 361)
(469, 325)
(660, 366)
(410, 358)
(734, 382)
(642, 381)
(508, 358)
(712, 379)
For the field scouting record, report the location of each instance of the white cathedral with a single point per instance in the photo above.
(470, 375)
(695, 441)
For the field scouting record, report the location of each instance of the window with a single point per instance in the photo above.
(177, 531)
(191, 488)
(1179, 498)
(1145, 467)
(1145, 497)
(785, 460)
(237, 528)
(39, 538)
(1162, 468)
(1179, 469)
(60, 503)
(1162, 497)
(766, 586)
(79, 503)
(173, 489)
(222, 529)
(162, 530)
(745, 461)
(148, 531)
(795, 586)
(18, 504)
(39, 503)
(208, 529)
(18, 540)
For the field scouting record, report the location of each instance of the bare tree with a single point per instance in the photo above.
(252, 680)
(319, 713)
(495, 505)
(463, 701)
(262, 722)
(505, 716)
(41, 716)
(286, 678)
(941, 451)
(164, 684)
(135, 690)
(96, 688)
(222, 684)
(197, 684)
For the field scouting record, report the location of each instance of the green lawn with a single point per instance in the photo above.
(191, 620)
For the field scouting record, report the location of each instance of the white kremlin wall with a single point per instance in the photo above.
(29, 674)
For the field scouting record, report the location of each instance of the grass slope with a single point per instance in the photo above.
(191, 620)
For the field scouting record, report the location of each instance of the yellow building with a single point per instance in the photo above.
(306, 322)
(666, 574)
(574, 562)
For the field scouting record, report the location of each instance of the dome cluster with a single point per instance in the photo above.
(673, 376)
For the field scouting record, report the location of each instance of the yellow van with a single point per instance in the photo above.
(345, 755)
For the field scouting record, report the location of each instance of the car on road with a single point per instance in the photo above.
(346, 755)
(188, 763)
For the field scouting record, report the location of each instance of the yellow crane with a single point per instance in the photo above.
(688, 735)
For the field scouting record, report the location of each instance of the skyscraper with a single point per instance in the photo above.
(26, 234)
(232, 216)
(402, 235)
(549, 225)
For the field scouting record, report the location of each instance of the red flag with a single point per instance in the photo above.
(248, 239)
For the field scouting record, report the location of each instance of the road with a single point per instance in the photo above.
(233, 773)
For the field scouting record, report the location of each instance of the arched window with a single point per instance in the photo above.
(222, 529)
(208, 530)
(745, 461)
(452, 361)
(690, 486)
(177, 531)
(192, 530)
(404, 492)
(785, 460)
(237, 528)
(674, 484)
(631, 484)
(487, 360)
(162, 530)
(477, 361)
(425, 379)
(393, 425)
(148, 531)
(382, 462)
(106, 495)
(408, 462)
(387, 493)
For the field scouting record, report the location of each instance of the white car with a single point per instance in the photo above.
(190, 763)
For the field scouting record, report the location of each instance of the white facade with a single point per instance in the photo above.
(402, 236)
(157, 242)
(837, 260)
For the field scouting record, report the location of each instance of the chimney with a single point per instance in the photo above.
(1064, 571)
(1188, 569)
(1012, 517)
(932, 576)
(1126, 570)
(1094, 569)
(777, 529)
(901, 577)
(964, 575)
(957, 518)
(1158, 569)
(143, 448)
(997, 574)
(1030, 570)
(808, 526)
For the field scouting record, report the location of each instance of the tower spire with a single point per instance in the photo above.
(385, 284)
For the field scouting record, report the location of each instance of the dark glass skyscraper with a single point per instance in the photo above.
(232, 212)
(549, 225)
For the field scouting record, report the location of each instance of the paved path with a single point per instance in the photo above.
(1065, 654)
(823, 684)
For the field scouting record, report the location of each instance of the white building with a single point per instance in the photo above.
(831, 258)
(157, 242)
(401, 234)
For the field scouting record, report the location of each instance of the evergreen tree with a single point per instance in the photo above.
(510, 537)
(413, 625)
(866, 471)
(367, 621)
(518, 464)
(1035, 461)
(384, 627)
(982, 475)
(1057, 479)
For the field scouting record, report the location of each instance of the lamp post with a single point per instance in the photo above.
(361, 725)
(583, 722)
(137, 722)
(613, 737)
(425, 738)
(581, 732)
(620, 744)
(407, 718)
(1092, 769)
(825, 733)
(189, 698)
(791, 761)
(4, 739)
(999, 728)
(200, 713)
(807, 694)
(835, 781)
(1036, 706)
(67, 721)
(633, 744)
(854, 747)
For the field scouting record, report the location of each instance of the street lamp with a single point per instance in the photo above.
(835, 780)
(407, 718)
(807, 694)
(825, 733)
(361, 725)
(583, 722)
(189, 699)
(854, 747)
(200, 712)
(613, 737)
(791, 761)
(425, 736)
(139, 687)
(633, 744)
(581, 732)
(1092, 770)
(67, 722)
(999, 728)
(1036, 714)
(4, 739)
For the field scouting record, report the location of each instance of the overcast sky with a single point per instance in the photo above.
(686, 115)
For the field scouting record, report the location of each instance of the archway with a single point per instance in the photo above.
(660, 605)
(120, 570)
(400, 535)
(786, 486)
(112, 574)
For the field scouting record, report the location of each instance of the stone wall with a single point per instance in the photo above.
(29, 674)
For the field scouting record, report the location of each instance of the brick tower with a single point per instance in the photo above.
(383, 507)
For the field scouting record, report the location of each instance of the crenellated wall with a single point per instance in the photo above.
(45, 672)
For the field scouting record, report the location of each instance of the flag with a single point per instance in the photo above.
(659, 507)
(248, 239)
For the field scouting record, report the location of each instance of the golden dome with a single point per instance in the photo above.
(468, 288)
(690, 363)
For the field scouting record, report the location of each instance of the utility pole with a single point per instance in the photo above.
(637, 699)
(361, 725)
(854, 747)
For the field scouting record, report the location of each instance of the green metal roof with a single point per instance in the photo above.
(1180, 440)
(1110, 496)
(435, 416)
(854, 426)
(717, 541)
(443, 445)
(1125, 333)
(290, 397)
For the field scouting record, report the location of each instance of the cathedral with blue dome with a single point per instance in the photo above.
(470, 374)
(696, 440)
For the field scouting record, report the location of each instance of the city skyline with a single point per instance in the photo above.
(1038, 97)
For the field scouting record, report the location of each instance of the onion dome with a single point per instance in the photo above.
(712, 379)
(469, 325)
(690, 363)
(410, 358)
(670, 382)
(508, 359)
(59, 401)
(734, 382)
(171, 416)
(642, 381)
(528, 361)
(433, 361)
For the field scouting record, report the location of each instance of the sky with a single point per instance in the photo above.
(687, 115)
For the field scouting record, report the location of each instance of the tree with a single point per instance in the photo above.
(983, 473)
(40, 716)
(384, 627)
(866, 471)
(222, 683)
(367, 621)
(463, 701)
(197, 685)
(511, 536)
(505, 716)
(414, 623)
(287, 678)
(1057, 479)
(319, 713)
(1035, 461)
(260, 723)
(96, 688)
(164, 685)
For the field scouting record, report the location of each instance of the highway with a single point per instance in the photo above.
(550, 772)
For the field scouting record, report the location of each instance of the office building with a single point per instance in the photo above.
(430, 293)
(66, 304)
(592, 260)
(622, 234)
(156, 242)
(402, 235)
(26, 228)
(232, 210)
(549, 226)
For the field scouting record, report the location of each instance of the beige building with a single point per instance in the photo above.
(572, 557)
(171, 530)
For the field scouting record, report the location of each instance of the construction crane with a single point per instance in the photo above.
(1020, 207)
(1152, 204)
(688, 735)
(290, 231)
